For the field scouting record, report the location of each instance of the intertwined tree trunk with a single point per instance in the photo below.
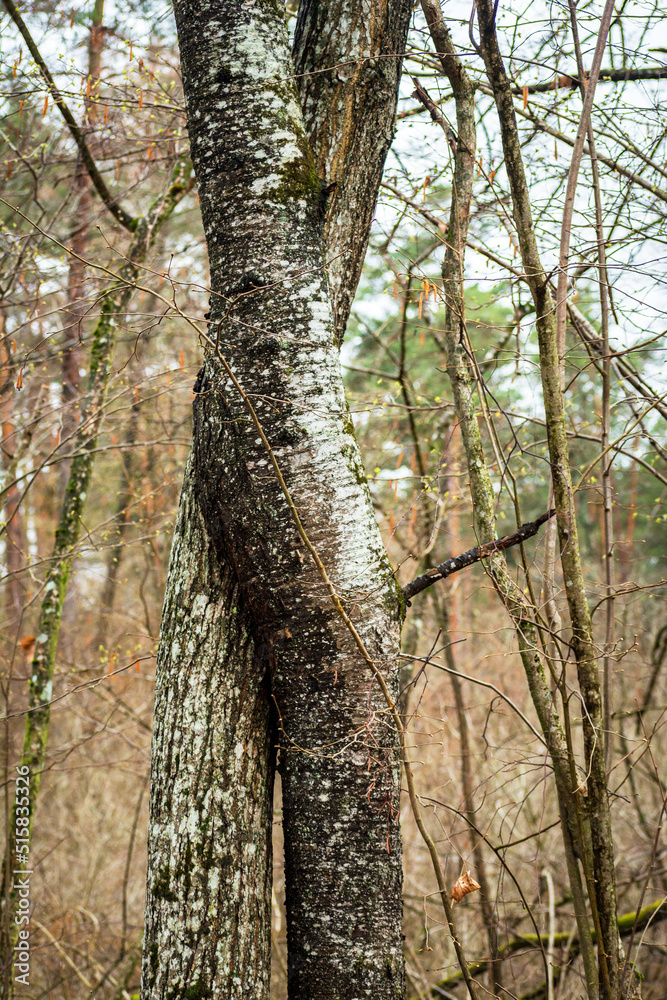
(247, 610)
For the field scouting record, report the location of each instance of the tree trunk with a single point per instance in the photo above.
(271, 323)
(209, 864)
(125, 495)
(11, 512)
(76, 295)
(348, 57)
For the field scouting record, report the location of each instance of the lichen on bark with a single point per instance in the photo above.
(271, 321)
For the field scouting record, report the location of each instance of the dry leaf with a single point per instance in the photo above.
(26, 643)
(525, 97)
(19, 380)
(464, 884)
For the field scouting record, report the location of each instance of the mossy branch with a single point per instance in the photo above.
(474, 555)
(626, 923)
(69, 527)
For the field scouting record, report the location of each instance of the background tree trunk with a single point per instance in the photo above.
(77, 306)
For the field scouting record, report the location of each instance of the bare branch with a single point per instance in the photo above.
(128, 221)
(475, 555)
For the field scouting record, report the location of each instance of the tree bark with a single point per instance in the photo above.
(348, 57)
(271, 322)
(209, 867)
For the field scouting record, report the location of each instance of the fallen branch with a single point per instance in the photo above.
(626, 922)
(453, 565)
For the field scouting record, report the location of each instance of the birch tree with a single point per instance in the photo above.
(281, 604)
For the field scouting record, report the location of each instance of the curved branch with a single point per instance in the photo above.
(472, 556)
(128, 221)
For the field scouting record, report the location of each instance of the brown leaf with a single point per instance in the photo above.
(19, 380)
(464, 884)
